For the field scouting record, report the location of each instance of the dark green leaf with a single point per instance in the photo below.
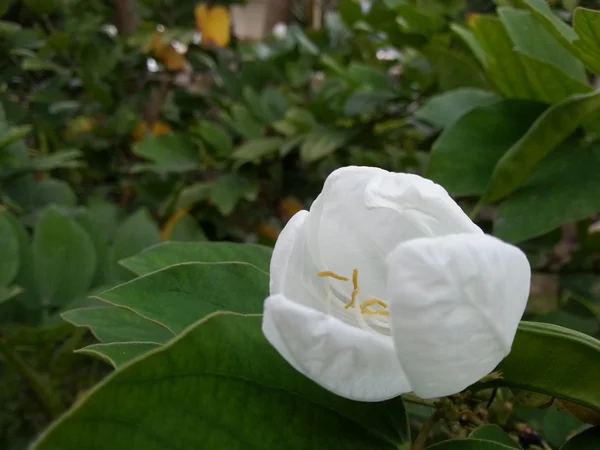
(25, 277)
(554, 126)
(367, 102)
(9, 250)
(493, 433)
(587, 26)
(136, 233)
(504, 66)
(322, 143)
(444, 109)
(255, 150)
(464, 156)
(469, 444)
(455, 70)
(170, 152)
(215, 136)
(118, 353)
(116, 324)
(170, 253)
(530, 37)
(13, 135)
(542, 204)
(547, 358)
(65, 159)
(181, 294)
(586, 440)
(51, 191)
(221, 385)
(64, 258)
(229, 189)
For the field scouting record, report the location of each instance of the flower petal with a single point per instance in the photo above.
(283, 250)
(292, 271)
(455, 304)
(349, 361)
(364, 212)
(426, 208)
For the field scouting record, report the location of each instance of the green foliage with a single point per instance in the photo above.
(109, 147)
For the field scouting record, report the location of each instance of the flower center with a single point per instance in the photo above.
(374, 308)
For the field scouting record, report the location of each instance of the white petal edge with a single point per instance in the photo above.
(283, 251)
(455, 305)
(346, 360)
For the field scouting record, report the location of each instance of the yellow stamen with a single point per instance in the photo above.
(356, 289)
(372, 302)
(334, 275)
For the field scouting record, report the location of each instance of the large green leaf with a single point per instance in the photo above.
(544, 204)
(555, 125)
(582, 41)
(530, 37)
(517, 74)
(64, 258)
(167, 254)
(118, 353)
(493, 433)
(587, 26)
(179, 295)
(221, 385)
(444, 109)
(586, 440)
(553, 360)
(503, 63)
(9, 250)
(115, 324)
(469, 444)
(465, 154)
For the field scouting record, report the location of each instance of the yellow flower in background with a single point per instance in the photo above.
(78, 126)
(173, 60)
(268, 231)
(215, 25)
(158, 129)
(166, 53)
(290, 206)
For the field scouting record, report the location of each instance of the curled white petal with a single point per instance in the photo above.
(455, 304)
(425, 208)
(365, 212)
(344, 359)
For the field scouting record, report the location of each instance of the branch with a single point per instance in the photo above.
(126, 18)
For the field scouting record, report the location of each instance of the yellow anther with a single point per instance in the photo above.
(334, 275)
(372, 302)
(356, 289)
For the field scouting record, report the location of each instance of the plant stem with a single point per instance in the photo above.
(40, 387)
(476, 210)
(421, 440)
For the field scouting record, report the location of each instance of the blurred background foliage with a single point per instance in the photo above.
(127, 123)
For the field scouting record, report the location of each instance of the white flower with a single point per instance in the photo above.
(387, 287)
